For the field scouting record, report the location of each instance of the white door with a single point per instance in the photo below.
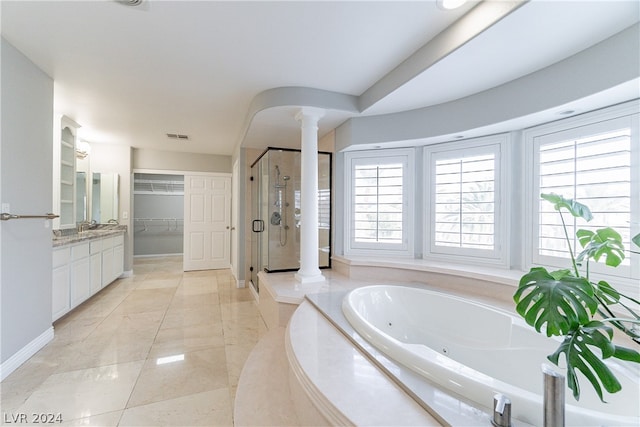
(207, 200)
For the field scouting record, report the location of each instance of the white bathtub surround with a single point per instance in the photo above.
(495, 286)
(478, 354)
(281, 293)
(315, 346)
(309, 271)
(344, 386)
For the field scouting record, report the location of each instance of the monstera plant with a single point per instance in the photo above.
(569, 304)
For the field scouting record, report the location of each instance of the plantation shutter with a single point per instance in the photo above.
(591, 164)
(378, 203)
(464, 202)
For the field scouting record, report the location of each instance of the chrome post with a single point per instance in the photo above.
(553, 405)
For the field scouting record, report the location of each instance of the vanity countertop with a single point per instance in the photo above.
(102, 230)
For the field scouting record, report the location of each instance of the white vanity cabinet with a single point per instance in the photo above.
(107, 261)
(80, 274)
(61, 299)
(95, 261)
(112, 259)
(118, 256)
(82, 269)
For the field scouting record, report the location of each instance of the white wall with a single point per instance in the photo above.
(25, 175)
(603, 66)
(144, 158)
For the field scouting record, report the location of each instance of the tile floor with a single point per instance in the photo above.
(164, 347)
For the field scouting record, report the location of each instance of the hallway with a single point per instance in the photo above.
(164, 347)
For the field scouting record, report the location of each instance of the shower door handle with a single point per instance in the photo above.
(257, 226)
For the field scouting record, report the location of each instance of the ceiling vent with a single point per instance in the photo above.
(178, 136)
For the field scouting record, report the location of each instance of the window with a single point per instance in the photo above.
(324, 208)
(592, 163)
(464, 210)
(377, 201)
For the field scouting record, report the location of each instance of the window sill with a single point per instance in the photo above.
(496, 275)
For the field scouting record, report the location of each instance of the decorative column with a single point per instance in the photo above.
(309, 271)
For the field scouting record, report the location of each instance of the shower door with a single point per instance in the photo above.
(276, 211)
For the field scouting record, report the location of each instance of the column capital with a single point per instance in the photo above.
(310, 112)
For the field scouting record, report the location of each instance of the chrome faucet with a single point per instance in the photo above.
(83, 226)
(501, 411)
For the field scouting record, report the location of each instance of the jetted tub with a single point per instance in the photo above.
(476, 351)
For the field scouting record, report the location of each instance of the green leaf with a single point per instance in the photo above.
(577, 349)
(576, 209)
(559, 274)
(603, 242)
(628, 354)
(607, 293)
(636, 240)
(558, 303)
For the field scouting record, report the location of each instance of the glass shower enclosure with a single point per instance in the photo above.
(275, 237)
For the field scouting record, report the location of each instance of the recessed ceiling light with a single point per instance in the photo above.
(450, 4)
(130, 2)
(138, 4)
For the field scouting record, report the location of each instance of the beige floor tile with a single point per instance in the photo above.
(197, 285)
(105, 350)
(186, 317)
(104, 356)
(110, 419)
(235, 295)
(98, 306)
(194, 301)
(145, 322)
(164, 274)
(139, 301)
(200, 371)
(210, 408)
(83, 393)
(235, 310)
(183, 340)
(73, 328)
(200, 273)
(172, 282)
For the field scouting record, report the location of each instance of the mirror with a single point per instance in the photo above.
(82, 201)
(82, 188)
(104, 197)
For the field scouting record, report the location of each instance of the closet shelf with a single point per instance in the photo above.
(150, 186)
(158, 219)
(152, 224)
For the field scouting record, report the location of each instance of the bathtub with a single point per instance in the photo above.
(476, 351)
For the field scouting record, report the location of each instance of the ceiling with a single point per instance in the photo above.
(130, 75)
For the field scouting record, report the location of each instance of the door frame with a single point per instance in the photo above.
(174, 172)
(227, 240)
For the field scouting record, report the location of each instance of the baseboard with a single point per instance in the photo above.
(157, 255)
(22, 355)
(125, 274)
(240, 283)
